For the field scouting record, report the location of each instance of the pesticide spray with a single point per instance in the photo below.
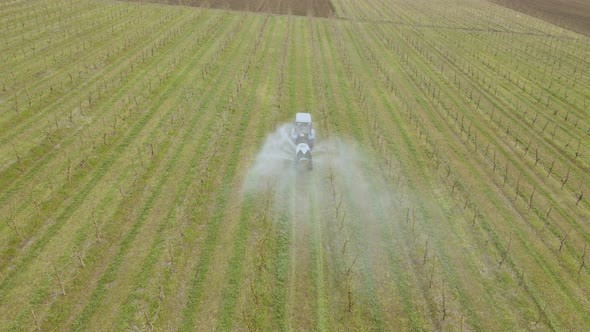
(351, 218)
(344, 207)
(339, 169)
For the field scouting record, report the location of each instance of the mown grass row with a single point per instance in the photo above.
(413, 58)
(94, 147)
(410, 305)
(343, 238)
(237, 228)
(225, 186)
(265, 275)
(349, 114)
(168, 171)
(525, 151)
(208, 173)
(40, 156)
(48, 82)
(165, 120)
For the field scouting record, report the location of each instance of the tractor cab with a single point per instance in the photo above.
(302, 131)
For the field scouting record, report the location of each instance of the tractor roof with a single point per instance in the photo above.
(303, 117)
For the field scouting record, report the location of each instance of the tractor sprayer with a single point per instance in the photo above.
(303, 136)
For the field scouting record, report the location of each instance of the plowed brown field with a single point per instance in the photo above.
(570, 14)
(317, 8)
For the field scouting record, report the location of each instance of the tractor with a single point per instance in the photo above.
(303, 136)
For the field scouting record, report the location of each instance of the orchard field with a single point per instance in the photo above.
(453, 192)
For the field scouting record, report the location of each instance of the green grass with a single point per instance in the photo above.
(138, 122)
